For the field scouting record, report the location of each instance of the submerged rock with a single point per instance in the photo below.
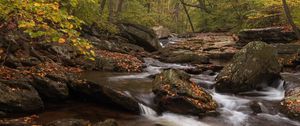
(256, 64)
(141, 36)
(255, 107)
(18, 97)
(290, 105)
(176, 93)
(101, 93)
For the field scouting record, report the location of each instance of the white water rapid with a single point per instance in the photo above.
(234, 110)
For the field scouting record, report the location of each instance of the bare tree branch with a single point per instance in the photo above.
(201, 5)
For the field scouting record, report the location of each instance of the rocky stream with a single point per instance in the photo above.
(205, 79)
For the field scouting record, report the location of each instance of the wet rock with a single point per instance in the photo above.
(69, 122)
(176, 93)
(101, 93)
(108, 122)
(269, 35)
(19, 97)
(141, 36)
(255, 107)
(193, 71)
(161, 32)
(256, 64)
(210, 67)
(51, 89)
(291, 103)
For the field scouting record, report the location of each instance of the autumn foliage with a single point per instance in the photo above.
(43, 21)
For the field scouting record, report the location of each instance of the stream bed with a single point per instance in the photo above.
(235, 110)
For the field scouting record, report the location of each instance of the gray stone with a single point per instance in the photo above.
(141, 36)
(18, 97)
(256, 64)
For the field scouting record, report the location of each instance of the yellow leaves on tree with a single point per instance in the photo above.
(46, 21)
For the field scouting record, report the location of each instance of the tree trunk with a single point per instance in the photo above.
(290, 18)
(148, 5)
(111, 11)
(188, 15)
(119, 7)
(176, 16)
(102, 6)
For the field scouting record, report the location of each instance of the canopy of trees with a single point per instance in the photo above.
(60, 20)
(205, 15)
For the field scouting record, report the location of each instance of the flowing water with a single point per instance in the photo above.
(234, 110)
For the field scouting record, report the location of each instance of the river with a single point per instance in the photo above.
(235, 110)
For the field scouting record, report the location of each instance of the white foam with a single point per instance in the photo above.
(271, 93)
(170, 119)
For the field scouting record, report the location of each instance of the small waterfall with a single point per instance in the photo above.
(270, 93)
(146, 111)
(230, 108)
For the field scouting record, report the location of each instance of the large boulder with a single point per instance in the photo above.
(161, 32)
(176, 93)
(291, 103)
(51, 87)
(252, 67)
(18, 97)
(101, 93)
(141, 36)
(269, 35)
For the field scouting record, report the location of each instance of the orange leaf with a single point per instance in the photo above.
(61, 40)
